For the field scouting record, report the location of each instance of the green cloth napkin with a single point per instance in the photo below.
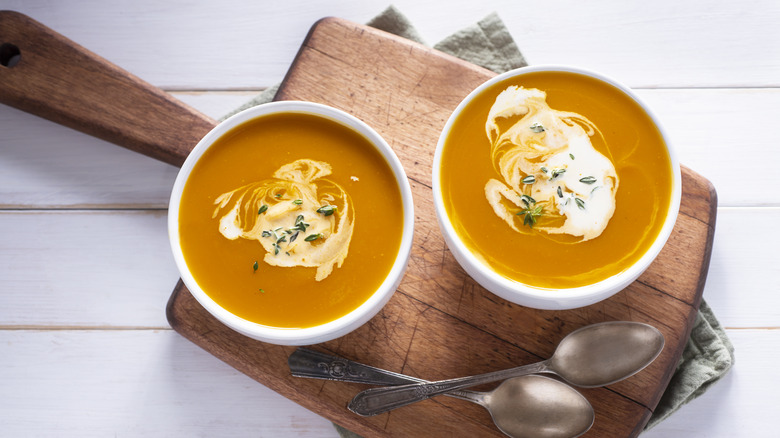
(709, 354)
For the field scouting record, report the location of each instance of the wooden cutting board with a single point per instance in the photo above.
(440, 323)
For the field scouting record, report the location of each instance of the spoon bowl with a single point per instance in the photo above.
(605, 353)
(538, 406)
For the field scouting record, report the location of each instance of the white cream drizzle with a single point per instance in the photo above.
(292, 198)
(554, 148)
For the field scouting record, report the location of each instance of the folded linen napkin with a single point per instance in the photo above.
(709, 354)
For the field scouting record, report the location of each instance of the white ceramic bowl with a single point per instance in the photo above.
(542, 298)
(342, 325)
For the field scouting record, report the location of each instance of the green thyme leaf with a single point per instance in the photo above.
(560, 192)
(299, 219)
(571, 156)
(298, 202)
(588, 180)
(543, 169)
(301, 226)
(527, 200)
(530, 179)
(530, 215)
(262, 291)
(312, 237)
(556, 173)
(262, 209)
(327, 210)
(537, 127)
(294, 236)
(278, 195)
(277, 248)
(254, 267)
(266, 234)
(580, 203)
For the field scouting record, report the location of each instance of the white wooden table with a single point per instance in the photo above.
(85, 268)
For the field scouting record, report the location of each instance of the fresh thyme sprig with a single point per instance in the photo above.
(531, 212)
(280, 234)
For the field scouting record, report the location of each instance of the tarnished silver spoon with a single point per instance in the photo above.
(592, 356)
(527, 406)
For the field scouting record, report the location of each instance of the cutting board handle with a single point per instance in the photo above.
(48, 75)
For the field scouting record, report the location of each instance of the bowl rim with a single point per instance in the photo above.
(331, 329)
(553, 298)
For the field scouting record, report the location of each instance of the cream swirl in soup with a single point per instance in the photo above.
(299, 217)
(552, 178)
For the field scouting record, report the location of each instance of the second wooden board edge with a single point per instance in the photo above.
(705, 210)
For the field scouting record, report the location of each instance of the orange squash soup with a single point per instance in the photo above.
(290, 220)
(555, 179)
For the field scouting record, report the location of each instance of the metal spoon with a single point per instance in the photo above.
(594, 355)
(521, 407)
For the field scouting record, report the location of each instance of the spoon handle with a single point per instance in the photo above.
(379, 400)
(313, 364)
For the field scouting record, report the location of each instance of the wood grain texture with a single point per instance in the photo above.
(61, 81)
(440, 323)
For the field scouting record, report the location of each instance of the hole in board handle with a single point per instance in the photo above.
(9, 55)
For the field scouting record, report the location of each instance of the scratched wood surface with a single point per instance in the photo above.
(440, 323)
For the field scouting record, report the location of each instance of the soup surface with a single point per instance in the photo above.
(525, 239)
(290, 220)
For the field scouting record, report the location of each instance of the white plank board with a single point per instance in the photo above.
(726, 135)
(114, 268)
(743, 404)
(236, 44)
(135, 383)
(85, 268)
(742, 282)
(45, 165)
